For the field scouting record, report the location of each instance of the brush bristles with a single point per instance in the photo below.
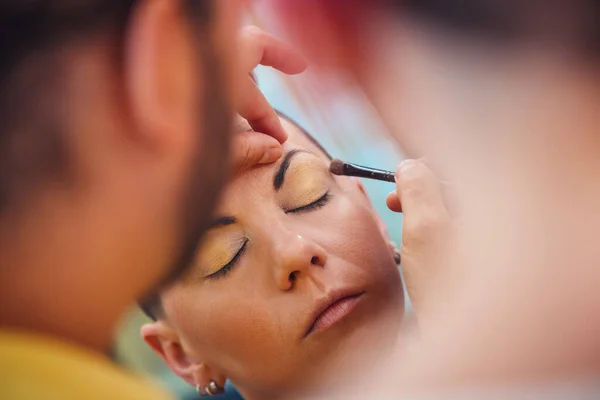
(337, 167)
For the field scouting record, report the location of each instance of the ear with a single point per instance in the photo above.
(165, 342)
(382, 227)
(160, 75)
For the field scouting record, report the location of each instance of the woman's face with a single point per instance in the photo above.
(289, 240)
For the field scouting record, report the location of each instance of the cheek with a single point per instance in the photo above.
(228, 328)
(356, 230)
(353, 235)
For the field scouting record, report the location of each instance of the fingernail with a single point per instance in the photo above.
(406, 165)
(271, 155)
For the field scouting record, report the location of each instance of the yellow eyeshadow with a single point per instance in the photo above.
(219, 247)
(306, 181)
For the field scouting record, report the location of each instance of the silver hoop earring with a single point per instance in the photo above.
(214, 389)
(211, 389)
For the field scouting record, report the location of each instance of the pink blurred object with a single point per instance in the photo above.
(328, 32)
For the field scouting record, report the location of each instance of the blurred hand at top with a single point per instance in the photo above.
(264, 144)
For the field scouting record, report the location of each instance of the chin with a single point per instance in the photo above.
(380, 329)
(388, 292)
(369, 336)
(355, 352)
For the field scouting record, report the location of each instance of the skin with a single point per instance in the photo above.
(139, 155)
(516, 131)
(249, 324)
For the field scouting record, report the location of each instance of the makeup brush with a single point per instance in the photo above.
(339, 167)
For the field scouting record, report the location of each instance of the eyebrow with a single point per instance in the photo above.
(222, 221)
(278, 181)
(279, 177)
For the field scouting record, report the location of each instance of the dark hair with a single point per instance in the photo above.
(34, 36)
(573, 23)
(152, 304)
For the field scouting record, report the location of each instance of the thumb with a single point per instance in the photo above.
(252, 148)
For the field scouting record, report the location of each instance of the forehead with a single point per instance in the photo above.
(248, 188)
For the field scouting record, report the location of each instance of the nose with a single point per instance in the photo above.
(297, 258)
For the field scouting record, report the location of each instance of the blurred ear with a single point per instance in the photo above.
(160, 79)
(165, 342)
(382, 227)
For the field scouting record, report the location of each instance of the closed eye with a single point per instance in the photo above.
(312, 206)
(229, 266)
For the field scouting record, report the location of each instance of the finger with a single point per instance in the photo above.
(420, 195)
(259, 48)
(393, 202)
(254, 78)
(253, 148)
(255, 108)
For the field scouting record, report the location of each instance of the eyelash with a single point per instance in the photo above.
(229, 266)
(312, 206)
(307, 208)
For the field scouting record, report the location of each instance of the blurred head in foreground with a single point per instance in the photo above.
(108, 171)
(294, 287)
(504, 98)
(464, 62)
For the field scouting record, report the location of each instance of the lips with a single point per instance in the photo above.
(331, 309)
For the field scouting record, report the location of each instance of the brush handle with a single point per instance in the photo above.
(369, 173)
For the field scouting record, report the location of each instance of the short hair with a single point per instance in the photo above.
(34, 36)
(574, 23)
(151, 305)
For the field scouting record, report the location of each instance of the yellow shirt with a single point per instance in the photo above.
(34, 367)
